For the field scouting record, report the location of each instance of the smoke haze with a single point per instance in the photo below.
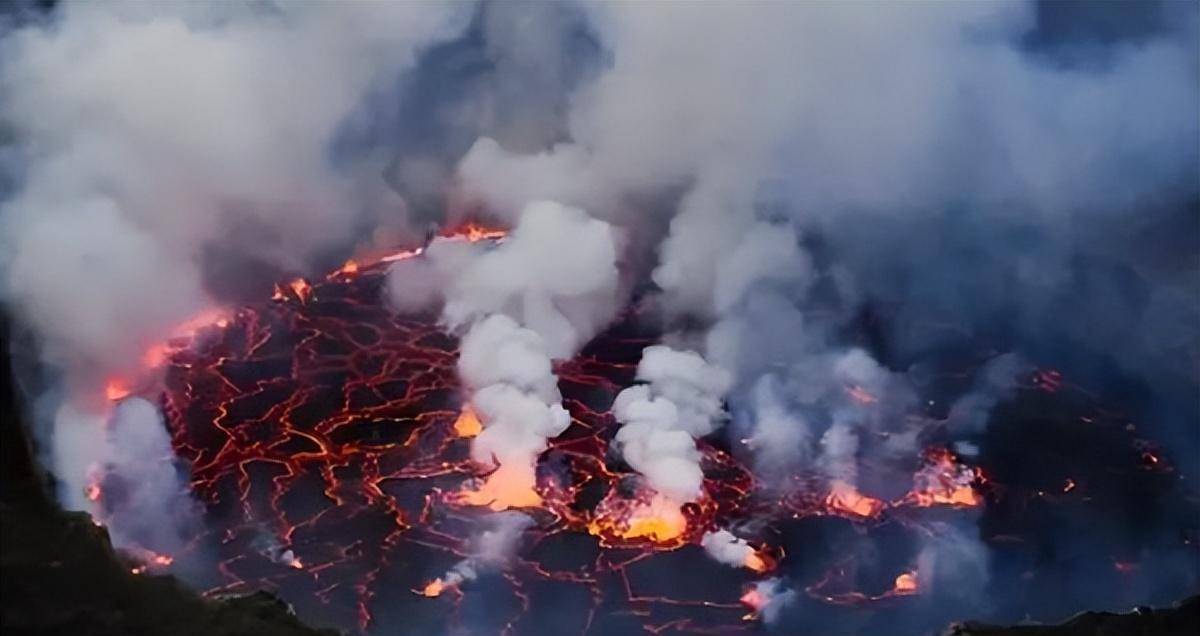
(768, 181)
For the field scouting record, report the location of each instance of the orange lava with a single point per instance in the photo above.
(302, 289)
(509, 486)
(759, 562)
(158, 353)
(434, 588)
(116, 389)
(658, 519)
(92, 492)
(754, 599)
(467, 424)
(906, 584)
(945, 481)
(845, 498)
(960, 496)
(474, 233)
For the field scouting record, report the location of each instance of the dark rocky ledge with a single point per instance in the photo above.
(59, 573)
(1183, 620)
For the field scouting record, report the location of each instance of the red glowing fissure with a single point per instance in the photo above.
(322, 415)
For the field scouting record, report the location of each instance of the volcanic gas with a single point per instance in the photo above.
(328, 441)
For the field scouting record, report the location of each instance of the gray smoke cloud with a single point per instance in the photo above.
(809, 169)
(147, 136)
(490, 549)
(153, 130)
(726, 547)
(539, 295)
(680, 400)
(774, 170)
(799, 126)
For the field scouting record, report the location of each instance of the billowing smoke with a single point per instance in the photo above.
(157, 133)
(769, 598)
(795, 174)
(555, 273)
(952, 565)
(539, 295)
(995, 382)
(490, 549)
(162, 152)
(145, 496)
(128, 475)
(517, 402)
(728, 548)
(961, 171)
(680, 401)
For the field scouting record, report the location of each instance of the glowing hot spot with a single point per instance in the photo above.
(758, 562)
(474, 233)
(467, 424)
(944, 481)
(434, 589)
(845, 498)
(299, 289)
(116, 389)
(509, 486)
(659, 519)
(906, 583)
(754, 599)
(157, 354)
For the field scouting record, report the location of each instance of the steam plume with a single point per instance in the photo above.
(556, 274)
(661, 419)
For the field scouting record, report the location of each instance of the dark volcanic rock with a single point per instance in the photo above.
(1181, 620)
(59, 573)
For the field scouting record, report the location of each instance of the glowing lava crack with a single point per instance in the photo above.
(329, 443)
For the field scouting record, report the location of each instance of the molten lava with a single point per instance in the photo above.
(329, 445)
(906, 583)
(660, 521)
(434, 588)
(467, 424)
(943, 480)
(182, 335)
(648, 516)
(116, 390)
(509, 486)
(759, 562)
(845, 498)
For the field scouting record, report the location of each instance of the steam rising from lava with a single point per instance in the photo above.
(491, 548)
(805, 217)
(661, 419)
(157, 143)
(563, 290)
